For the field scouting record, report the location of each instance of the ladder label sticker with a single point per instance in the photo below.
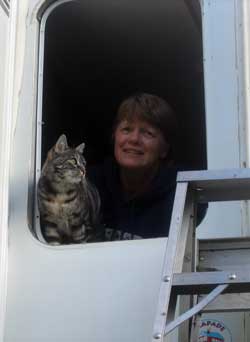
(212, 330)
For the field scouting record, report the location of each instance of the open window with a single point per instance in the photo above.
(95, 54)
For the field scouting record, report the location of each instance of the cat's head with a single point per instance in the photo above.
(65, 163)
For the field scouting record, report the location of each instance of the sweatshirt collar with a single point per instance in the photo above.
(164, 181)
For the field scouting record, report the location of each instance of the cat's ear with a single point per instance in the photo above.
(61, 144)
(80, 148)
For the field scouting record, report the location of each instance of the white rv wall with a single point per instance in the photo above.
(225, 112)
(227, 121)
(3, 44)
(9, 94)
(45, 282)
(3, 213)
(97, 292)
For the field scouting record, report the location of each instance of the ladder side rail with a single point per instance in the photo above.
(189, 265)
(181, 210)
(183, 263)
(185, 244)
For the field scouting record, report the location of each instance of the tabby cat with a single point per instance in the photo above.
(68, 203)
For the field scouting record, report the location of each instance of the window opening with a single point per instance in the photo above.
(93, 55)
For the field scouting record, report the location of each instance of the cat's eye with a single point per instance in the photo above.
(73, 161)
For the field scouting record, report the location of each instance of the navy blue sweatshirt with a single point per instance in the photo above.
(146, 216)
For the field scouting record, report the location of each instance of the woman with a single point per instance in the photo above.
(137, 186)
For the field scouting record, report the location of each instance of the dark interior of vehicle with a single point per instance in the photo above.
(98, 52)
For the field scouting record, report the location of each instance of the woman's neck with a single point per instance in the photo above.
(136, 182)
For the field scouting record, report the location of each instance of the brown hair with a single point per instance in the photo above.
(152, 109)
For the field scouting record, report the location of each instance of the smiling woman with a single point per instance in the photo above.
(139, 145)
(142, 138)
(157, 124)
(137, 186)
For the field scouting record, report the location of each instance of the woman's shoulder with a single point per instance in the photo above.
(166, 178)
(168, 172)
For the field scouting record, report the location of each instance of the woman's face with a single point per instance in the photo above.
(138, 145)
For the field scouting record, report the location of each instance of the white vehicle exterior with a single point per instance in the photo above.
(106, 291)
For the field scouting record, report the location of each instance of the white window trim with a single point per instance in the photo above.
(5, 160)
(39, 122)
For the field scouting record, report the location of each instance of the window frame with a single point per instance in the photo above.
(39, 113)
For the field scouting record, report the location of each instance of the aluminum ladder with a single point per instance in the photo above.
(181, 273)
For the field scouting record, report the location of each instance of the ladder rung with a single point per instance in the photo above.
(218, 185)
(204, 282)
(225, 244)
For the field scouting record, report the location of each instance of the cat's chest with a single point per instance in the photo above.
(61, 204)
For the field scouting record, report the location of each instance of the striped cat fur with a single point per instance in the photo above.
(68, 203)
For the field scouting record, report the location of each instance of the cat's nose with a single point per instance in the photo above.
(82, 171)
